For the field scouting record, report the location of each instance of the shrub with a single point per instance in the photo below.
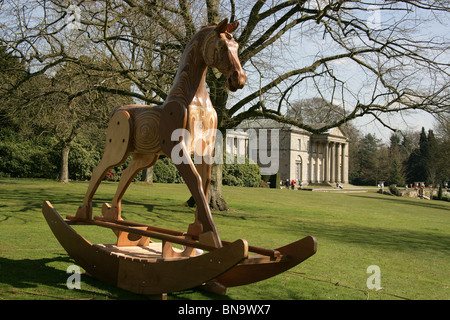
(264, 184)
(82, 160)
(115, 173)
(445, 196)
(241, 173)
(273, 181)
(164, 171)
(393, 189)
(27, 158)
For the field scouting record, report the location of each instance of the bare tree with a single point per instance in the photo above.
(369, 57)
(314, 111)
(67, 89)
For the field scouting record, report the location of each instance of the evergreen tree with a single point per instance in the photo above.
(416, 167)
(395, 160)
(423, 162)
(368, 159)
(431, 159)
(442, 130)
(396, 173)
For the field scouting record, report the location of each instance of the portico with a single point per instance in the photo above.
(329, 160)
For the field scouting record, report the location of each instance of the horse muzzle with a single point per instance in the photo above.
(236, 80)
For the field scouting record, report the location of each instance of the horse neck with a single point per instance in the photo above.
(191, 75)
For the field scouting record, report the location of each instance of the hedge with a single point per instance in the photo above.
(241, 173)
(28, 158)
(41, 157)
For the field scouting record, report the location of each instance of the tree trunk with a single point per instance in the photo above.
(64, 169)
(219, 97)
(215, 197)
(148, 175)
(66, 146)
(216, 200)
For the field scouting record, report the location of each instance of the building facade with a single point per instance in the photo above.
(295, 153)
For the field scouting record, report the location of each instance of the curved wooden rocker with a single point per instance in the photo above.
(143, 269)
(187, 117)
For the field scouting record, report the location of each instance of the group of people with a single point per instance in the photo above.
(291, 184)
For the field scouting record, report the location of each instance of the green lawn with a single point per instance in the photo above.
(408, 239)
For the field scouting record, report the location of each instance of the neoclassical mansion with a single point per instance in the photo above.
(302, 156)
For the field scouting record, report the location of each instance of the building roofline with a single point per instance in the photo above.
(265, 123)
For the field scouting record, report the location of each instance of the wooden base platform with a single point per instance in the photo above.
(151, 253)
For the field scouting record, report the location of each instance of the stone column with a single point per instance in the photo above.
(338, 163)
(336, 166)
(326, 161)
(309, 172)
(332, 162)
(345, 163)
(321, 162)
(316, 158)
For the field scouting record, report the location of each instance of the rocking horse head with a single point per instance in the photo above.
(220, 51)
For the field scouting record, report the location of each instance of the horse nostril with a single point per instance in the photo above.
(236, 80)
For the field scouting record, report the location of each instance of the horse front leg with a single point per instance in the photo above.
(204, 170)
(173, 117)
(204, 225)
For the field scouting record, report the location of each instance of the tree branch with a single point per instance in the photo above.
(283, 77)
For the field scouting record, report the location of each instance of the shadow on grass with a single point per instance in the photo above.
(31, 201)
(434, 204)
(31, 275)
(34, 276)
(377, 237)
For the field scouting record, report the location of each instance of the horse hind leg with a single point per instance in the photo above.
(139, 162)
(117, 149)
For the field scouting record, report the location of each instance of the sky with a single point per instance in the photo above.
(310, 47)
(411, 122)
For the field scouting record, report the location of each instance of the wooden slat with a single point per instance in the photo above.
(152, 234)
(149, 228)
(258, 250)
(263, 251)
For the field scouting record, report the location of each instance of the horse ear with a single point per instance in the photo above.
(232, 26)
(222, 26)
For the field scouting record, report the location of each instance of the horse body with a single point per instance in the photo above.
(146, 131)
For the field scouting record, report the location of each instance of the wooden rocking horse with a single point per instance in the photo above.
(135, 262)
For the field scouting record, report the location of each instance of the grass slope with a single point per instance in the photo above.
(408, 239)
